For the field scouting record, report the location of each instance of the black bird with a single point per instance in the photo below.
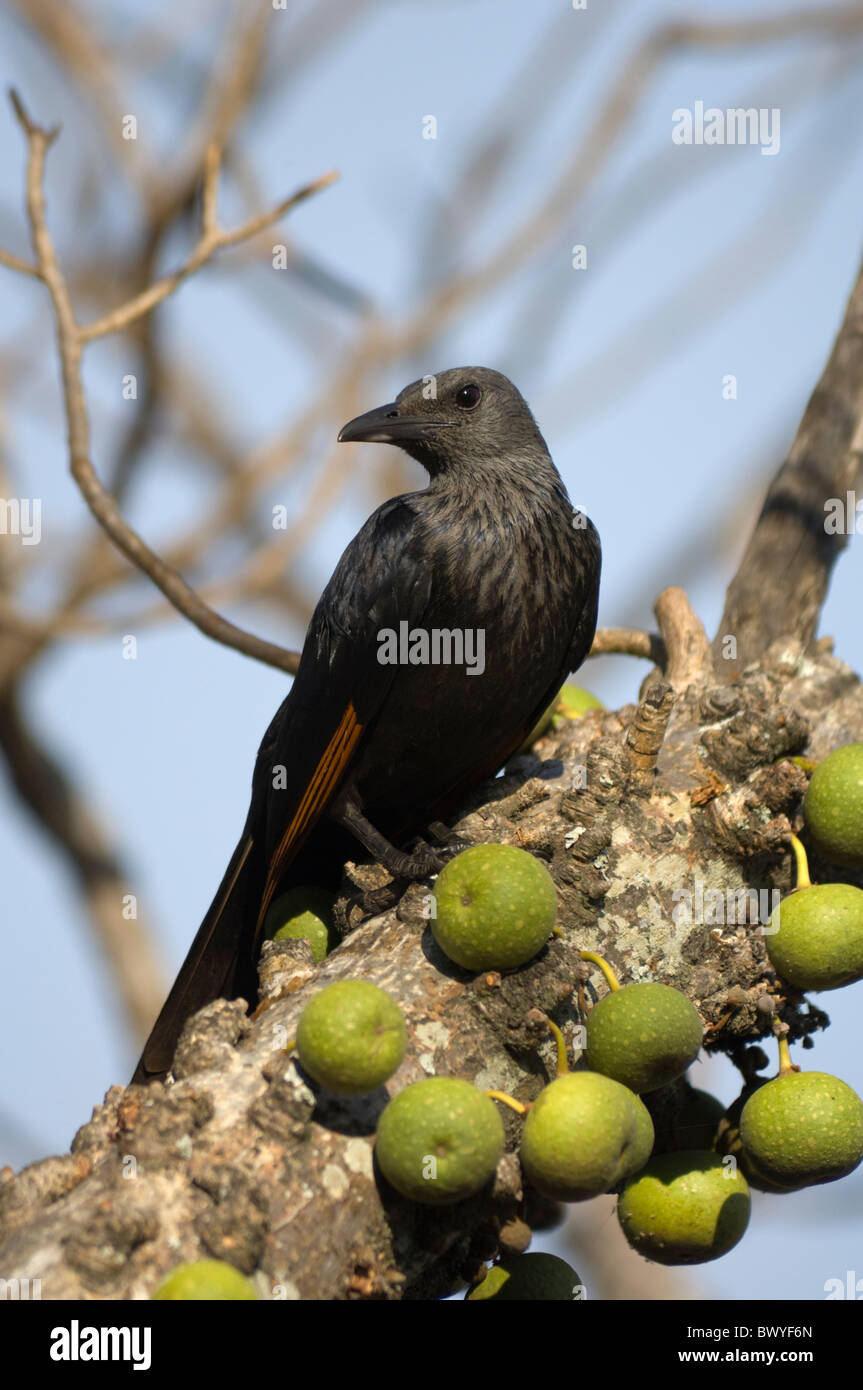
(381, 736)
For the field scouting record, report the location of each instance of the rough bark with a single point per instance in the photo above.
(782, 581)
(242, 1159)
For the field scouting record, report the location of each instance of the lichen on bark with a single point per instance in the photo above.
(242, 1159)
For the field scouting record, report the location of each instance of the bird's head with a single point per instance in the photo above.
(458, 421)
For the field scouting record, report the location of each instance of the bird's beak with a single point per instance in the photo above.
(385, 426)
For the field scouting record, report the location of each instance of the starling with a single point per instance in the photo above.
(449, 624)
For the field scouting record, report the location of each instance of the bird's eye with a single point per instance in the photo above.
(468, 397)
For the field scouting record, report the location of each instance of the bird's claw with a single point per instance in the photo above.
(448, 842)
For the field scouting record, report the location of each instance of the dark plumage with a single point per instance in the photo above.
(492, 545)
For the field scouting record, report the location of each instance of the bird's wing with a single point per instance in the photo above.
(340, 686)
(589, 566)
(584, 576)
(303, 758)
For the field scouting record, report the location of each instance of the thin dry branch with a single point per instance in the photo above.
(8, 258)
(628, 641)
(595, 148)
(67, 33)
(377, 346)
(71, 338)
(213, 238)
(234, 79)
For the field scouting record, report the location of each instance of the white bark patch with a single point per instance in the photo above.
(336, 1182)
(358, 1157)
(433, 1034)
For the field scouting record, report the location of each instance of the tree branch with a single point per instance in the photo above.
(71, 338)
(241, 1160)
(213, 238)
(688, 659)
(628, 641)
(44, 786)
(780, 586)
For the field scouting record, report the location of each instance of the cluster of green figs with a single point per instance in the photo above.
(681, 1165)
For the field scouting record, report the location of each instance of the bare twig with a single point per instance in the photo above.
(375, 347)
(18, 263)
(71, 338)
(67, 34)
(593, 151)
(685, 640)
(213, 238)
(629, 641)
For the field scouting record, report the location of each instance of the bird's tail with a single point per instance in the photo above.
(220, 963)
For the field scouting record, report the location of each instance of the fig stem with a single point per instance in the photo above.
(785, 1063)
(803, 879)
(562, 1060)
(613, 982)
(513, 1104)
(806, 763)
(289, 1047)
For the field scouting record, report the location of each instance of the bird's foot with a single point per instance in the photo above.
(351, 910)
(421, 861)
(447, 842)
(424, 859)
(377, 900)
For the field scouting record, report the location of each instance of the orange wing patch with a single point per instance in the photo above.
(322, 784)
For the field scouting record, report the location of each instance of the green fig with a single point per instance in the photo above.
(439, 1140)
(495, 906)
(571, 702)
(833, 806)
(645, 1136)
(580, 1137)
(351, 1037)
(803, 1128)
(643, 1035)
(685, 1208)
(815, 937)
(303, 913)
(527, 1277)
(728, 1141)
(542, 726)
(205, 1281)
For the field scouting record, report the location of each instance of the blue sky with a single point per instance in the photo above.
(702, 261)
